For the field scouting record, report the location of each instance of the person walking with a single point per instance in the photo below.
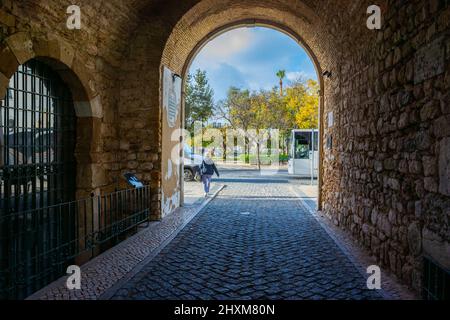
(207, 170)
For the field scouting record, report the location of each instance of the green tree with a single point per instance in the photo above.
(199, 99)
(237, 111)
(261, 119)
(266, 109)
(280, 117)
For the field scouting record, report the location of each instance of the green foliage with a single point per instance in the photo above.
(199, 99)
(265, 159)
(297, 107)
(281, 74)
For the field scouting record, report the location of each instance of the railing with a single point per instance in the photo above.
(436, 281)
(36, 246)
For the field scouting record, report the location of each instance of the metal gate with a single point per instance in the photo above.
(38, 170)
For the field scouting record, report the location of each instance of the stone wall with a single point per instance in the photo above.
(87, 59)
(142, 143)
(386, 177)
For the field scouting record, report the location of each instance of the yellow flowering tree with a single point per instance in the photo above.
(302, 101)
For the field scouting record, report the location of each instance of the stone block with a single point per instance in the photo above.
(41, 47)
(87, 109)
(62, 51)
(430, 110)
(132, 165)
(390, 164)
(7, 19)
(442, 126)
(444, 167)
(378, 166)
(429, 60)
(423, 140)
(8, 61)
(392, 217)
(99, 176)
(394, 184)
(430, 184)
(22, 46)
(84, 176)
(414, 239)
(418, 209)
(429, 166)
(124, 145)
(147, 166)
(385, 226)
(415, 167)
(4, 82)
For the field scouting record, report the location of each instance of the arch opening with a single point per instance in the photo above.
(38, 126)
(209, 18)
(47, 137)
(274, 26)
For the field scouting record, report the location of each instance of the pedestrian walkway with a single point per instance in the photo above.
(254, 241)
(194, 193)
(101, 274)
(261, 240)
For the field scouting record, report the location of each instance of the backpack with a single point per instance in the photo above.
(203, 168)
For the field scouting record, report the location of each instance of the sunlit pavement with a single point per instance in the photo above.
(253, 241)
(194, 193)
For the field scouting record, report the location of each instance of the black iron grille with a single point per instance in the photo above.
(38, 125)
(43, 229)
(37, 129)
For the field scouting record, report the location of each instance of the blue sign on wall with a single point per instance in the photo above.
(133, 180)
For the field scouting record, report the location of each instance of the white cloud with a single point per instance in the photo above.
(296, 75)
(250, 58)
(228, 44)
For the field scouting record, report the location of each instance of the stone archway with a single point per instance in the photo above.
(169, 41)
(290, 33)
(376, 183)
(210, 18)
(59, 55)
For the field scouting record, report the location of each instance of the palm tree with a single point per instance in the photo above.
(281, 74)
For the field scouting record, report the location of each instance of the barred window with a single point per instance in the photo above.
(38, 170)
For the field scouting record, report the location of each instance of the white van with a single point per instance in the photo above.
(304, 153)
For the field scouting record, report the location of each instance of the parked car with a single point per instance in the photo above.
(192, 164)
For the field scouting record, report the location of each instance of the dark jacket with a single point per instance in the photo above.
(208, 169)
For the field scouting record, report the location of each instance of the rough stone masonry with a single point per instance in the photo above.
(385, 177)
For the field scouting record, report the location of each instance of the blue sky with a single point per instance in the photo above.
(249, 58)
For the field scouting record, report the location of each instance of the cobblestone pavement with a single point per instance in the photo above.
(254, 241)
(104, 272)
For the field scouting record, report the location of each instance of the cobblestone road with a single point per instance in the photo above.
(254, 241)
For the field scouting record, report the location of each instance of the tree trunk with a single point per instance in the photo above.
(224, 155)
(258, 156)
(247, 151)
